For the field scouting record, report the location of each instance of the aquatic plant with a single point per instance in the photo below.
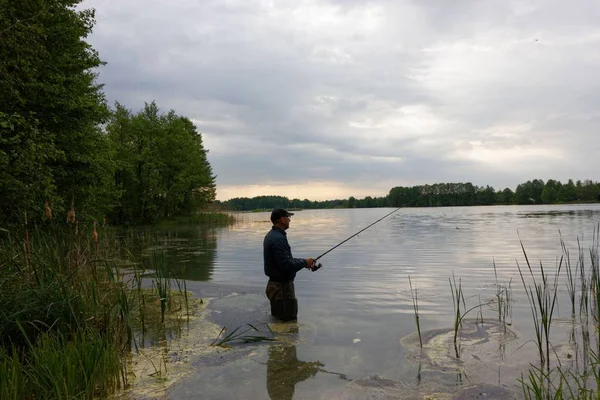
(569, 271)
(242, 336)
(542, 304)
(70, 314)
(558, 382)
(415, 300)
(457, 295)
(503, 298)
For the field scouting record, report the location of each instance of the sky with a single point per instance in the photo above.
(331, 99)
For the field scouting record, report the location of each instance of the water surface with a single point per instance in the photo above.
(354, 312)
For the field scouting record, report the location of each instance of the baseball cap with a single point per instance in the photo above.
(278, 213)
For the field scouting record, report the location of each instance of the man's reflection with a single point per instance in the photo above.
(284, 371)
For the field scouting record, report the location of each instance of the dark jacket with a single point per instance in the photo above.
(280, 266)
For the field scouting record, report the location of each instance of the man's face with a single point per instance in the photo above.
(284, 222)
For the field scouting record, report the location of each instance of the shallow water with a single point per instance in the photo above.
(356, 314)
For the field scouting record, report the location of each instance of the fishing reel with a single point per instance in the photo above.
(316, 267)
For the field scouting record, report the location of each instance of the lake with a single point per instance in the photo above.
(353, 336)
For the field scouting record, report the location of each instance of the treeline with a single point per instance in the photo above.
(270, 202)
(439, 195)
(62, 148)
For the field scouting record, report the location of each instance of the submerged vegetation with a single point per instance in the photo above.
(550, 378)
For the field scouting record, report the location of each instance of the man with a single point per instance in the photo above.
(281, 267)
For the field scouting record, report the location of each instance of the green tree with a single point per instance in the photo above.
(568, 192)
(550, 192)
(351, 202)
(529, 192)
(505, 196)
(161, 165)
(51, 147)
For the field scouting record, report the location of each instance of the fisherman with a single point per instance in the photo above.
(281, 267)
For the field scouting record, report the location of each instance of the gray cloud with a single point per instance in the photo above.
(367, 93)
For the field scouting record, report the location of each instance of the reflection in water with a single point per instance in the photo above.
(284, 371)
(190, 251)
(424, 243)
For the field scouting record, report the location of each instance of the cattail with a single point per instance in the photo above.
(47, 209)
(71, 216)
(95, 233)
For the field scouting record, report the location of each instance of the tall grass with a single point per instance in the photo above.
(542, 300)
(553, 380)
(69, 315)
(503, 298)
(458, 296)
(571, 284)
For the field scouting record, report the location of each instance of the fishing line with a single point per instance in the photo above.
(318, 266)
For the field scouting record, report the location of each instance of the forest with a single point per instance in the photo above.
(439, 195)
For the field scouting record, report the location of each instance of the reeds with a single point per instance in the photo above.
(542, 304)
(457, 296)
(415, 301)
(69, 314)
(503, 298)
(569, 271)
(557, 382)
(242, 336)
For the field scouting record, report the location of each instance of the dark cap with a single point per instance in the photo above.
(278, 213)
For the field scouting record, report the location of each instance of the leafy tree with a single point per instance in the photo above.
(550, 192)
(51, 147)
(568, 192)
(590, 191)
(505, 196)
(161, 165)
(351, 202)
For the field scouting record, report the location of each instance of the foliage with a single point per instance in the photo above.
(55, 153)
(69, 317)
(438, 195)
(162, 168)
(270, 202)
(51, 146)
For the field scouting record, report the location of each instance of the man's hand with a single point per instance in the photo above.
(310, 262)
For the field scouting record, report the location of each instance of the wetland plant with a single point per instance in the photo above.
(242, 336)
(415, 300)
(503, 298)
(543, 382)
(67, 325)
(458, 297)
(542, 302)
(569, 271)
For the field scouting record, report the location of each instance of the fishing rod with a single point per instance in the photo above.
(319, 265)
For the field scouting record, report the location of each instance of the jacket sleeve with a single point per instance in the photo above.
(284, 257)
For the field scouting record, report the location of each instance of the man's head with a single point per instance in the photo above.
(281, 218)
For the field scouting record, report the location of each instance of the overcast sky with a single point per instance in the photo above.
(331, 99)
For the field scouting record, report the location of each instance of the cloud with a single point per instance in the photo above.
(360, 96)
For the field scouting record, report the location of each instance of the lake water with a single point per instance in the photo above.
(356, 313)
